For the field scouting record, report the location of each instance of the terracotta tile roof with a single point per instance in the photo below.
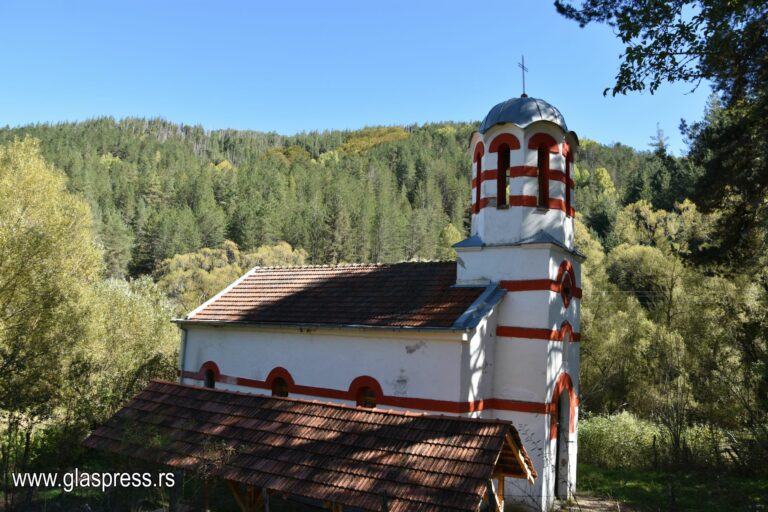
(400, 295)
(324, 451)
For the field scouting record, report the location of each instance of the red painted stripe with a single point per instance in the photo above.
(560, 176)
(522, 171)
(534, 333)
(424, 404)
(528, 285)
(531, 201)
(525, 285)
(528, 201)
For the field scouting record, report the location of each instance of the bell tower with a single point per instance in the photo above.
(522, 239)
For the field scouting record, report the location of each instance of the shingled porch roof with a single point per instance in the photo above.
(402, 295)
(330, 452)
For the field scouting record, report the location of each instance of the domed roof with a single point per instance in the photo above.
(522, 112)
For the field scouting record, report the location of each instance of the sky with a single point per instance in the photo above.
(299, 66)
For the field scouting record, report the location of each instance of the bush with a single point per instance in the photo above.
(617, 441)
(624, 441)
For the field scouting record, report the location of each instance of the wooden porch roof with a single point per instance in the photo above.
(335, 453)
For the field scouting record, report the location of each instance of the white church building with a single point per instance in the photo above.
(494, 334)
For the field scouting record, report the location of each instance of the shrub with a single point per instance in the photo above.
(617, 441)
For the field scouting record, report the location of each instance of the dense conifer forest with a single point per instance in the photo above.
(157, 189)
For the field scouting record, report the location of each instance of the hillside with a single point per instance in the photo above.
(157, 189)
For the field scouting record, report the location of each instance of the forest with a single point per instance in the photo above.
(149, 218)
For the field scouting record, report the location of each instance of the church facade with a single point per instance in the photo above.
(494, 334)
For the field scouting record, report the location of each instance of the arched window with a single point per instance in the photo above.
(209, 378)
(566, 277)
(568, 164)
(279, 387)
(502, 173)
(365, 391)
(366, 397)
(542, 170)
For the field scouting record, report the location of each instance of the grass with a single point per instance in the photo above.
(649, 490)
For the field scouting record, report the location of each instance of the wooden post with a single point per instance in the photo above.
(501, 489)
(250, 492)
(265, 499)
(492, 498)
(242, 501)
(206, 495)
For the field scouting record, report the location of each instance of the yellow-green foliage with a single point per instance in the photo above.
(72, 346)
(679, 230)
(617, 441)
(624, 440)
(47, 260)
(129, 340)
(369, 137)
(190, 279)
(448, 236)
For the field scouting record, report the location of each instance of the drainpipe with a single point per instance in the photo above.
(182, 354)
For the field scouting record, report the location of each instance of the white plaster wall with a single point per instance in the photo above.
(494, 264)
(539, 310)
(504, 263)
(478, 361)
(521, 370)
(533, 430)
(417, 365)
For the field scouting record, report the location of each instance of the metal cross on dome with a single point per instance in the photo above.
(521, 65)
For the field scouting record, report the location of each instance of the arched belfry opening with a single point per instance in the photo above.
(502, 176)
(542, 172)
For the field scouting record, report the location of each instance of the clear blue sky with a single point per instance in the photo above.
(296, 66)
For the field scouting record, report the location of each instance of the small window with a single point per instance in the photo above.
(209, 379)
(366, 397)
(566, 289)
(279, 387)
(502, 174)
(542, 167)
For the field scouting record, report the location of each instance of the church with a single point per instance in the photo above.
(429, 386)
(493, 335)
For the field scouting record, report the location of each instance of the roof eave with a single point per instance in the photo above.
(304, 325)
(480, 308)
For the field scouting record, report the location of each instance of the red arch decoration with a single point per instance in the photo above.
(210, 365)
(566, 328)
(364, 381)
(479, 150)
(504, 138)
(280, 373)
(563, 383)
(544, 139)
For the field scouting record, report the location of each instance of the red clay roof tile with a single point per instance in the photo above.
(316, 450)
(398, 295)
